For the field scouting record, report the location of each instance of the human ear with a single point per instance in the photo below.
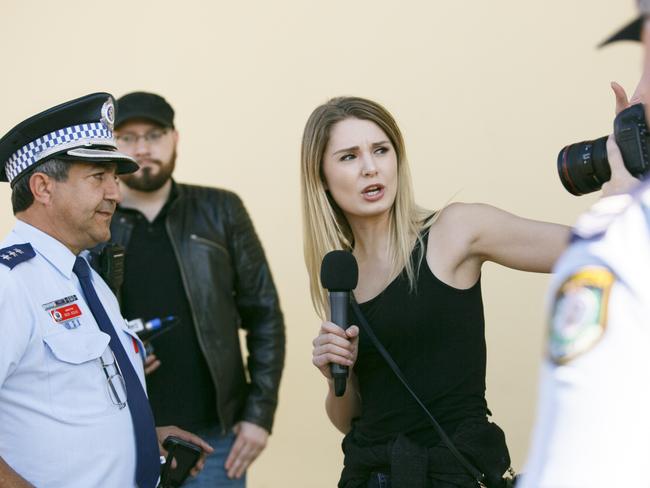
(41, 186)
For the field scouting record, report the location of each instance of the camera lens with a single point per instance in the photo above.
(583, 167)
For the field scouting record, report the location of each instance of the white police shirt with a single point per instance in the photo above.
(593, 419)
(59, 424)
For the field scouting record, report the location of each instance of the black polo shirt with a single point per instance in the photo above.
(181, 391)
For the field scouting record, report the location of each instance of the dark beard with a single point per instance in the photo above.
(143, 179)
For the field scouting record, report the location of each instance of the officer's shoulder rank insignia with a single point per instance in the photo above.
(14, 255)
(579, 315)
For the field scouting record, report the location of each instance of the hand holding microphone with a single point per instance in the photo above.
(335, 345)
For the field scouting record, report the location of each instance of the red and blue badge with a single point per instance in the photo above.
(64, 311)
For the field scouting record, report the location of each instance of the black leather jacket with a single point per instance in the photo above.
(229, 285)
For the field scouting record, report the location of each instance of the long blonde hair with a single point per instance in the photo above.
(325, 228)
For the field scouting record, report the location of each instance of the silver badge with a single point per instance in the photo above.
(108, 114)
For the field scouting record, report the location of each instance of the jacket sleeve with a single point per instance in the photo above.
(259, 308)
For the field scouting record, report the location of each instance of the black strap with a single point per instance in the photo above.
(476, 474)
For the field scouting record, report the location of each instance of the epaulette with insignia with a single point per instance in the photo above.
(597, 219)
(14, 255)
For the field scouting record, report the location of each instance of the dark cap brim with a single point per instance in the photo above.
(134, 115)
(631, 32)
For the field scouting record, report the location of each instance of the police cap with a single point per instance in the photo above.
(78, 130)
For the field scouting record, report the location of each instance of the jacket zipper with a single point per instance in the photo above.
(196, 323)
(208, 242)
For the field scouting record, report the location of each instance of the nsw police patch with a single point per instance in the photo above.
(579, 315)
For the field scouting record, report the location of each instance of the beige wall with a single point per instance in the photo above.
(485, 92)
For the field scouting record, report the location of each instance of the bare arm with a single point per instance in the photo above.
(10, 479)
(341, 410)
(467, 235)
(334, 345)
(515, 242)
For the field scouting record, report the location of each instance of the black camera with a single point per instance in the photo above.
(583, 167)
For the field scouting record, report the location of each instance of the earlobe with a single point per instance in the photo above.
(41, 186)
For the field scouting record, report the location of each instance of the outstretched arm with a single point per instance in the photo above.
(468, 234)
(515, 242)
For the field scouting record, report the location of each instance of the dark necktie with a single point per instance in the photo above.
(148, 457)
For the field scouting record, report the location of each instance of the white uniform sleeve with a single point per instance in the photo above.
(594, 418)
(16, 324)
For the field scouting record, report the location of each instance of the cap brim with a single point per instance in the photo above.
(125, 164)
(631, 32)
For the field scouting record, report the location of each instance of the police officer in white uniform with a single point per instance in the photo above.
(593, 425)
(73, 410)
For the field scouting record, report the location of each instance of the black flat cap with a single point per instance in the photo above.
(143, 105)
(631, 31)
(78, 130)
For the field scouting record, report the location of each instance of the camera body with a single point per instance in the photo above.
(583, 167)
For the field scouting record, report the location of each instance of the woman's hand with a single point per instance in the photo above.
(335, 345)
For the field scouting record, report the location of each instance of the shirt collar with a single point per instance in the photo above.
(47, 246)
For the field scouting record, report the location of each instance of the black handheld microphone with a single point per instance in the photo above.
(339, 275)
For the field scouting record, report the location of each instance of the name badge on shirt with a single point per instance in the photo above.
(64, 311)
(579, 315)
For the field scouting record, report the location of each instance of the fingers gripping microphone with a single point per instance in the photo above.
(339, 274)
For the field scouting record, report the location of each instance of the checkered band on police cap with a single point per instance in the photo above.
(79, 130)
(91, 134)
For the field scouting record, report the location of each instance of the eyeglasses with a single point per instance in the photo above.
(129, 139)
(114, 379)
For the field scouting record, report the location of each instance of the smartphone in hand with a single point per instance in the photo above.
(186, 455)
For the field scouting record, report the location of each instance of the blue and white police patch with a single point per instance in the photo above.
(579, 315)
(14, 255)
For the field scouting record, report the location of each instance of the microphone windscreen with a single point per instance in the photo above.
(339, 271)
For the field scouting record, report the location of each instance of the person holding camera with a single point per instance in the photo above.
(592, 425)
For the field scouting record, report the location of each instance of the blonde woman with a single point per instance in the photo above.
(419, 288)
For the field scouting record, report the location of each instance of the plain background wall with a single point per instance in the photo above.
(486, 94)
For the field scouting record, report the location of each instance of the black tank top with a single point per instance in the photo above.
(436, 336)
